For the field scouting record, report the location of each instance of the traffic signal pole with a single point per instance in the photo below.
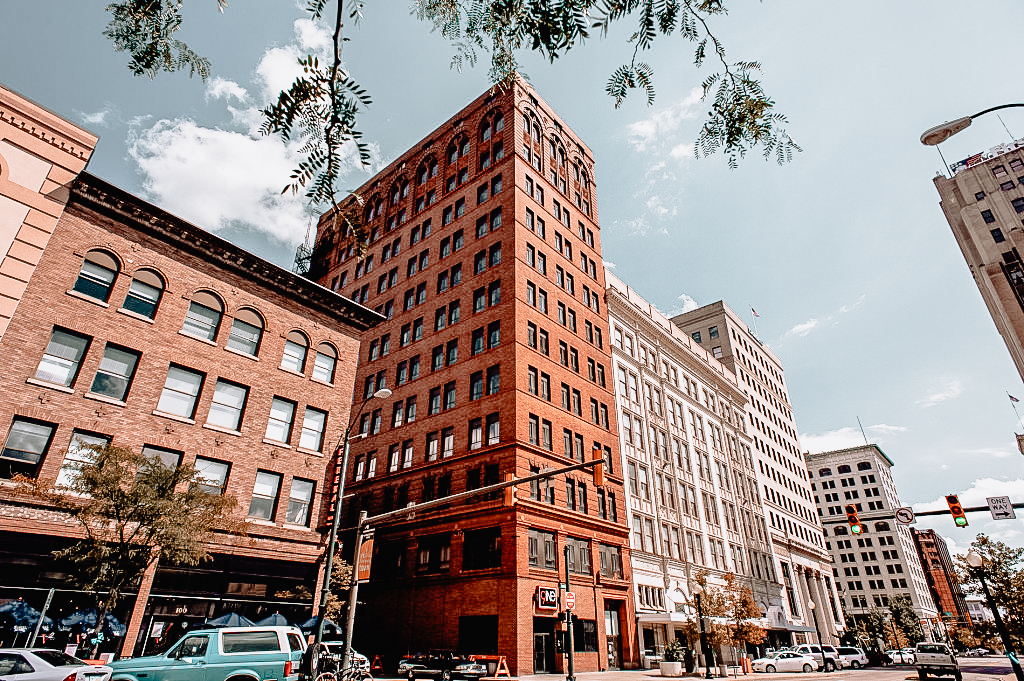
(570, 675)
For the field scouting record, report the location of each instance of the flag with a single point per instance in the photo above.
(754, 312)
(1012, 398)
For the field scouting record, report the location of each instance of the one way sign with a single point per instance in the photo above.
(1001, 508)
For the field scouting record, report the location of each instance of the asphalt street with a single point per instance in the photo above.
(973, 668)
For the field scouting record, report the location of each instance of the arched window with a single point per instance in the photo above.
(843, 469)
(882, 526)
(246, 332)
(864, 466)
(427, 169)
(324, 362)
(96, 278)
(486, 131)
(296, 345)
(203, 317)
(824, 472)
(452, 154)
(144, 293)
(499, 122)
(395, 195)
(840, 530)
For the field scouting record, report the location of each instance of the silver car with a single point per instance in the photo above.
(46, 664)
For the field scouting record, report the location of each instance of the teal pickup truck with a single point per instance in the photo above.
(229, 654)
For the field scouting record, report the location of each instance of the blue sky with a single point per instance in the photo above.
(844, 253)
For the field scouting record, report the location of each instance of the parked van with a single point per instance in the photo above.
(228, 654)
(826, 656)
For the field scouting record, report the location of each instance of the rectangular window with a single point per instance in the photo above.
(228, 405)
(114, 376)
(181, 392)
(313, 423)
(541, 549)
(62, 358)
(299, 501)
(279, 425)
(79, 453)
(264, 495)
(493, 429)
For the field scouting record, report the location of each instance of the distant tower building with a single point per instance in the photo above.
(883, 562)
(804, 565)
(485, 258)
(984, 203)
(938, 570)
(692, 494)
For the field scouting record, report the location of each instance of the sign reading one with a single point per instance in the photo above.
(1001, 508)
(547, 598)
(570, 600)
(904, 515)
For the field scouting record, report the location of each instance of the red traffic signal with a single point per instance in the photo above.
(851, 516)
(957, 510)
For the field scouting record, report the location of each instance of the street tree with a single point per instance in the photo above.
(907, 621)
(1003, 571)
(322, 105)
(732, 602)
(337, 597)
(131, 510)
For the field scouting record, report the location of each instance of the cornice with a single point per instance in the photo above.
(27, 116)
(94, 194)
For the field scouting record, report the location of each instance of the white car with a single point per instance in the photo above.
(852, 657)
(45, 664)
(900, 656)
(784, 661)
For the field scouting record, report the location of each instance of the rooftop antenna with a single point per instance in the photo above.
(1012, 138)
(863, 434)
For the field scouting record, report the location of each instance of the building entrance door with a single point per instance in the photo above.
(613, 635)
(543, 645)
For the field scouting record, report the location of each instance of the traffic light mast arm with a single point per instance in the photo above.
(372, 520)
(890, 516)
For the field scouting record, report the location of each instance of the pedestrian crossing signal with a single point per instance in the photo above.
(957, 510)
(598, 469)
(851, 516)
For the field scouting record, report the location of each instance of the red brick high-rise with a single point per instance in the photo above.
(942, 580)
(485, 257)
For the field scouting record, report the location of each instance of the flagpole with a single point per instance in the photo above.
(753, 319)
(1013, 403)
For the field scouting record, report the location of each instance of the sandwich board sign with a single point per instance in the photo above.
(1001, 508)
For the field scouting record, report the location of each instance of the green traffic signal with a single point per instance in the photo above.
(856, 529)
(960, 521)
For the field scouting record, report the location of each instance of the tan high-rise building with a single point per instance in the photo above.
(983, 202)
(803, 562)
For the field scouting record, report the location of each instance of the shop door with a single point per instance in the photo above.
(543, 645)
(613, 635)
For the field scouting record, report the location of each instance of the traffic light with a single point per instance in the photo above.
(598, 469)
(851, 516)
(957, 510)
(510, 491)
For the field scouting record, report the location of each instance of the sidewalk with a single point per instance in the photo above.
(650, 674)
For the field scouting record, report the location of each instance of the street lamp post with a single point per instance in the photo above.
(705, 648)
(325, 592)
(977, 564)
(941, 133)
(814, 615)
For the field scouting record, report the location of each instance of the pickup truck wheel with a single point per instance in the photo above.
(808, 668)
(769, 669)
(922, 674)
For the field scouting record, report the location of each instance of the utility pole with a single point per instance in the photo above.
(570, 675)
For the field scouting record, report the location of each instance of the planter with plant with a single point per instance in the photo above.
(672, 660)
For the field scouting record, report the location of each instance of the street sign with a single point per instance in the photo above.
(904, 515)
(547, 598)
(570, 600)
(365, 560)
(1001, 508)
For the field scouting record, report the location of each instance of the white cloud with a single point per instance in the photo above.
(609, 264)
(686, 304)
(828, 441)
(945, 389)
(221, 88)
(802, 329)
(97, 118)
(681, 151)
(219, 177)
(662, 125)
(886, 429)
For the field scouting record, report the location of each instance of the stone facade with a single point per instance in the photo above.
(804, 567)
(485, 257)
(693, 498)
(883, 561)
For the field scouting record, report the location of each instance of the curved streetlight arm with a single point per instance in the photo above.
(325, 592)
(941, 133)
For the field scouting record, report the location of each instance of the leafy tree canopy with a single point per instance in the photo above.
(1003, 570)
(322, 105)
